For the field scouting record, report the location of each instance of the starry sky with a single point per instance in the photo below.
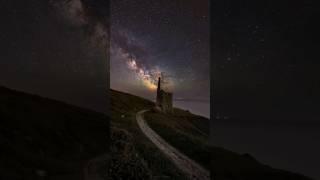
(263, 53)
(60, 49)
(265, 61)
(265, 74)
(56, 49)
(150, 37)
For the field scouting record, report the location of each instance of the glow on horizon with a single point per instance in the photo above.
(147, 76)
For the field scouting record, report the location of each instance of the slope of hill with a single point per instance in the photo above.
(46, 139)
(188, 133)
(123, 115)
(43, 137)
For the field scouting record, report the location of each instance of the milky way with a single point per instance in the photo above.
(169, 39)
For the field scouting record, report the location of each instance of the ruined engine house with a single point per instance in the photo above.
(164, 99)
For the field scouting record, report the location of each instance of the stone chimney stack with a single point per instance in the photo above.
(158, 102)
(164, 99)
(159, 84)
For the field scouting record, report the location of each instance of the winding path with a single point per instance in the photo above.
(188, 166)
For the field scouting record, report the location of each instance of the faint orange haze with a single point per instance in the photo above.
(149, 79)
(147, 76)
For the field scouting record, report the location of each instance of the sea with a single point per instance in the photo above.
(201, 108)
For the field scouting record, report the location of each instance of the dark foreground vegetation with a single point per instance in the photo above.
(46, 139)
(124, 108)
(189, 133)
(42, 139)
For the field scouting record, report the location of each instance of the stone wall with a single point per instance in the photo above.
(164, 101)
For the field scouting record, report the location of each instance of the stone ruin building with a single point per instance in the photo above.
(164, 99)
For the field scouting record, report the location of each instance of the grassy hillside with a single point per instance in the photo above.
(124, 108)
(187, 132)
(46, 139)
(43, 137)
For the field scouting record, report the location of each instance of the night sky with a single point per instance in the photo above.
(265, 61)
(150, 37)
(56, 49)
(263, 53)
(59, 49)
(266, 81)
